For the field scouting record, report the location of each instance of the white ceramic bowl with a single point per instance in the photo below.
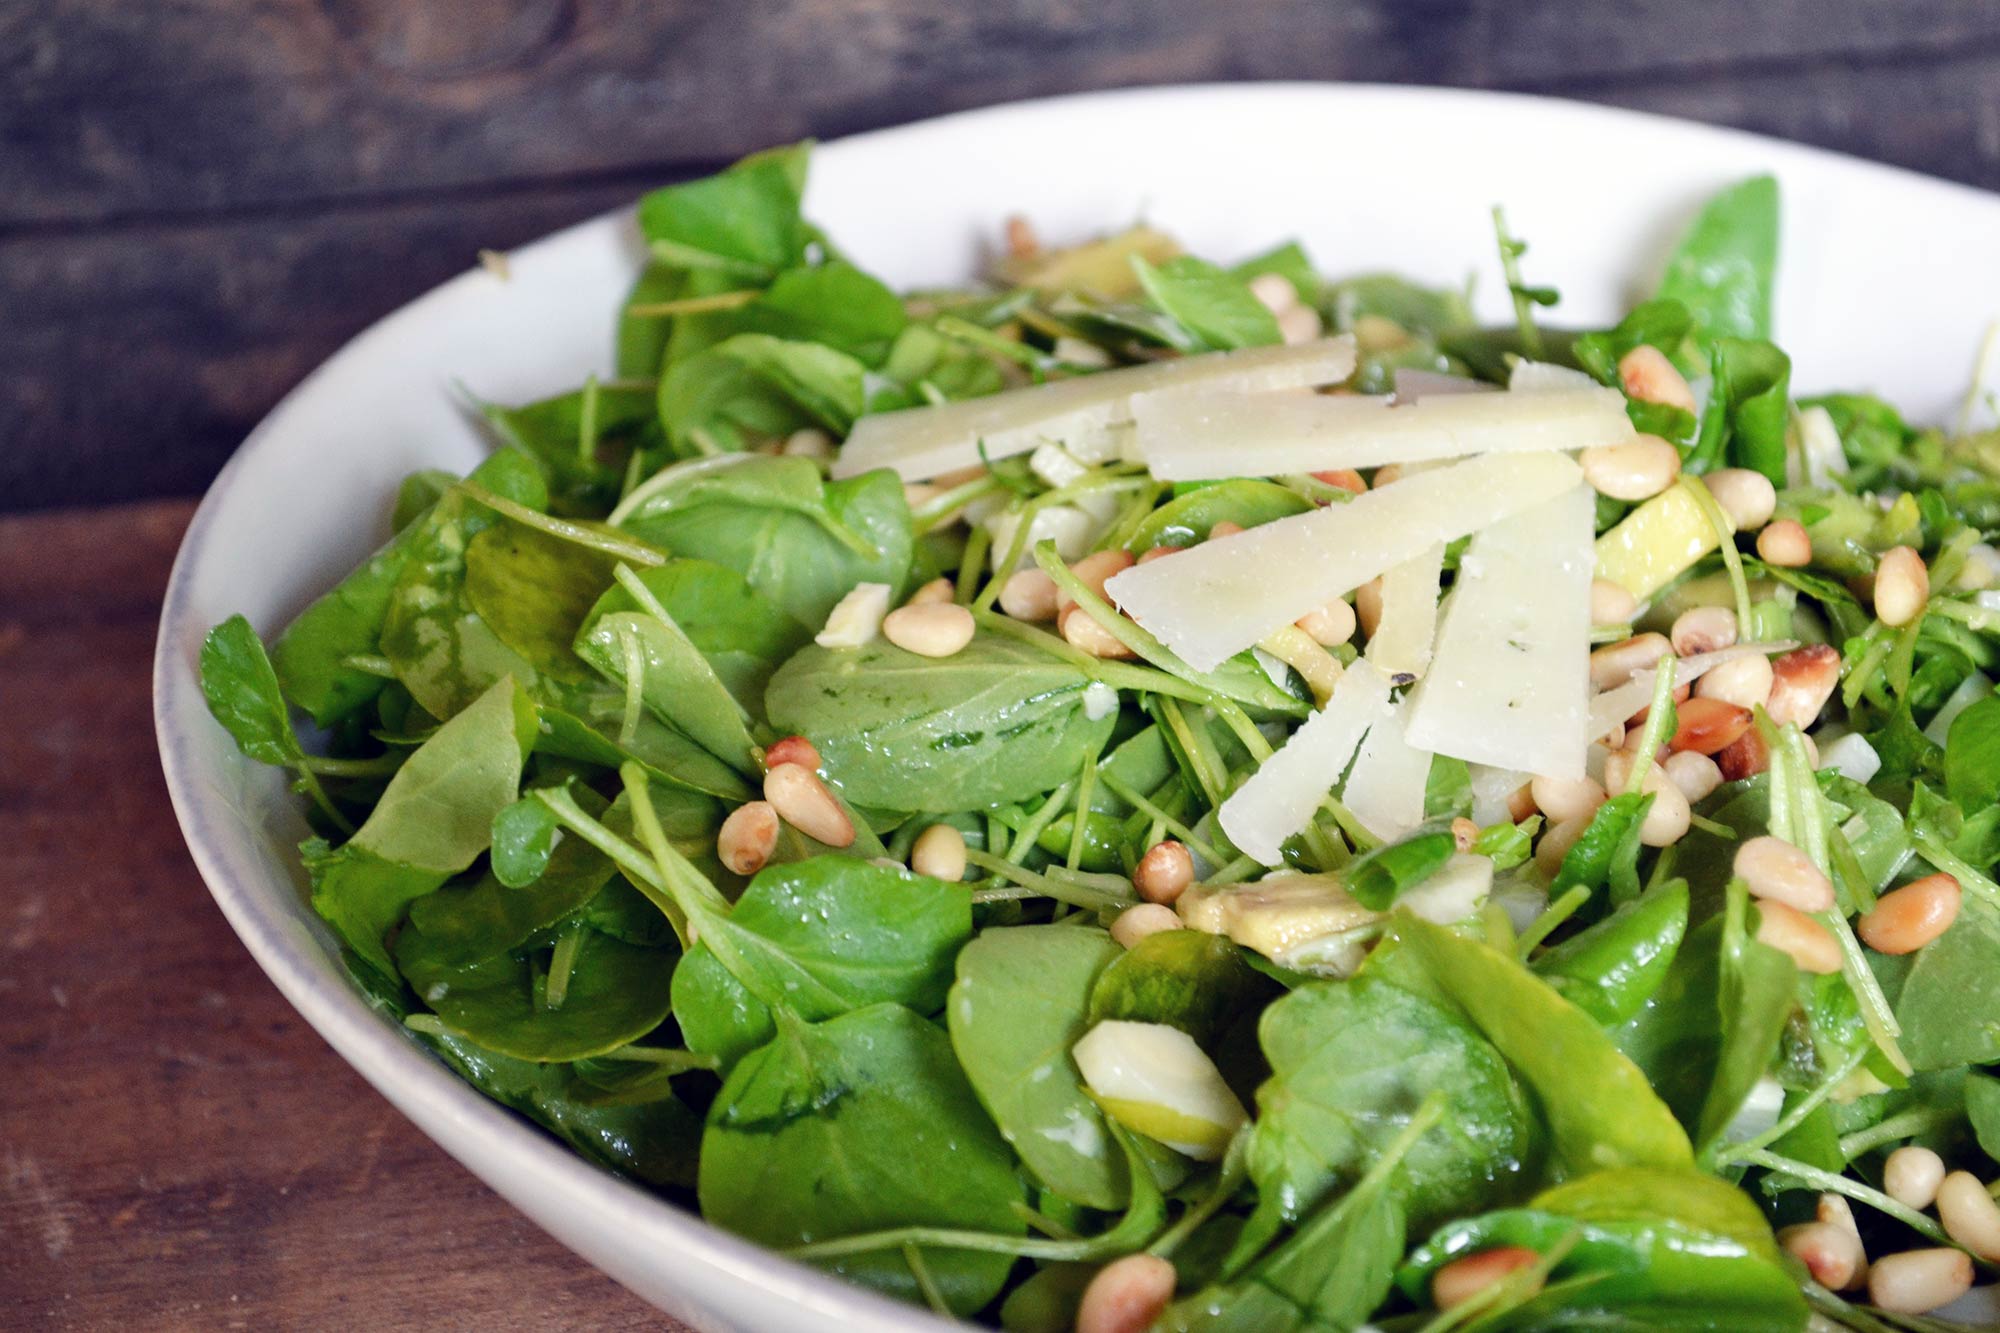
(1887, 283)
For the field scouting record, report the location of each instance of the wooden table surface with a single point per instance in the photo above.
(178, 1149)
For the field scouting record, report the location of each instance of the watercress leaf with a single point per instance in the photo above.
(419, 491)
(828, 386)
(1610, 969)
(1186, 519)
(1599, 1108)
(1949, 1004)
(1757, 992)
(1187, 979)
(311, 657)
(834, 303)
(1608, 851)
(1290, 262)
(524, 838)
(586, 735)
(532, 589)
(676, 683)
(711, 402)
(820, 937)
(642, 339)
(743, 221)
(855, 1125)
(998, 721)
(1448, 789)
(1661, 323)
(1724, 268)
(582, 439)
(1972, 756)
(242, 692)
(1749, 408)
(1211, 303)
(1982, 1108)
(1019, 1004)
(1377, 878)
(464, 923)
(1351, 1062)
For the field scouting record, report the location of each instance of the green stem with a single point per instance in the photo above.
(644, 876)
(1194, 843)
(1076, 895)
(607, 543)
(586, 423)
(1830, 1182)
(1725, 534)
(1552, 916)
(1796, 1116)
(1895, 1129)
(562, 965)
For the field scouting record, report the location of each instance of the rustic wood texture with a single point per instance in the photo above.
(200, 200)
(177, 1148)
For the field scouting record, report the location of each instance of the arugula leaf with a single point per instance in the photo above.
(1612, 968)
(855, 1125)
(1725, 266)
(1211, 303)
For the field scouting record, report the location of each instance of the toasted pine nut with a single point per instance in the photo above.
(1919, 1281)
(1637, 469)
(1331, 625)
(1668, 818)
(1801, 683)
(1164, 872)
(1386, 475)
(1790, 931)
(937, 590)
(1785, 544)
(1703, 630)
(1902, 586)
(1555, 843)
(1093, 570)
(747, 838)
(1708, 726)
(1747, 497)
(1695, 774)
(1905, 920)
(1464, 833)
(1748, 757)
(1610, 604)
(929, 629)
(1153, 553)
(792, 750)
(1647, 376)
(1080, 631)
(1911, 1176)
(1834, 1210)
(1743, 681)
(1274, 292)
(1127, 1295)
(1521, 802)
(1030, 595)
(1346, 478)
(1226, 528)
(1615, 663)
(1832, 1254)
(1368, 606)
(1564, 798)
(1775, 869)
(1462, 1279)
(804, 802)
(1022, 242)
(1300, 324)
(1138, 921)
(939, 852)
(1618, 766)
(808, 443)
(918, 493)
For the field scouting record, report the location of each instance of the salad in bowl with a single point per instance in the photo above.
(1142, 793)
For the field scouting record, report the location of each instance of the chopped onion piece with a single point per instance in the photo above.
(1970, 691)
(1851, 756)
(1212, 601)
(1084, 413)
(1202, 436)
(1281, 796)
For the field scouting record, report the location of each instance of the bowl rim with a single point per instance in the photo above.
(367, 1040)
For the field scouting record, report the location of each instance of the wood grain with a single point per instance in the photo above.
(177, 1148)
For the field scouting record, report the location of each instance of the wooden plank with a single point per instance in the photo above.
(180, 1149)
(121, 110)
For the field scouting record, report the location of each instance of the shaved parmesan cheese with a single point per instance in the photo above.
(1401, 645)
(856, 618)
(1615, 705)
(1385, 788)
(1216, 599)
(1084, 413)
(1207, 435)
(1510, 680)
(1281, 796)
(1069, 528)
(1414, 384)
(1099, 701)
(1542, 377)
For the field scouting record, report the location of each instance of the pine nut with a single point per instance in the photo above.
(929, 629)
(1555, 844)
(1022, 242)
(1610, 604)
(1775, 869)
(1274, 292)
(937, 590)
(1346, 478)
(1748, 757)
(1464, 833)
(1834, 1210)
(792, 750)
(1801, 683)
(804, 802)
(1747, 497)
(1905, 920)
(1164, 872)
(1300, 324)
(1832, 1254)
(1647, 376)
(1784, 544)
(1387, 475)
(1462, 1279)
(1637, 469)
(1080, 631)
(1902, 586)
(1743, 681)
(1919, 1281)
(1158, 553)
(1911, 1176)
(1520, 803)
(1226, 528)
(1615, 663)
(1127, 1295)
(1618, 766)
(1703, 630)
(747, 838)
(1030, 595)
(1331, 625)
(1695, 774)
(808, 443)
(1708, 726)
(1668, 818)
(939, 852)
(916, 494)
(1790, 931)
(1135, 923)
(1566, 798)
(1092, 571)
(1368, 606)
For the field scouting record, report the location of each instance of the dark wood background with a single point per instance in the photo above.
(201, 199)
